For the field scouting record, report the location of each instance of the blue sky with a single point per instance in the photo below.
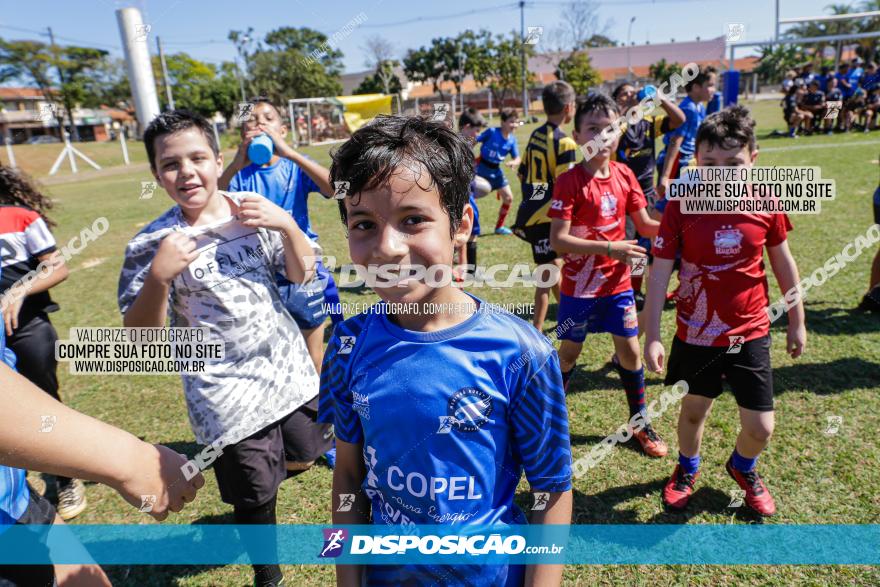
(200, 27)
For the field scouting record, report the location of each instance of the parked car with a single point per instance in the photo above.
(42, 139)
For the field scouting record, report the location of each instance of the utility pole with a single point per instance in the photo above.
(240, 81)
(165, 74)
(73, 132)
(522, 33)
(777, 22)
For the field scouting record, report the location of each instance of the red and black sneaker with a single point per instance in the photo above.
(679, 488)
(651, 443)
(757, 495)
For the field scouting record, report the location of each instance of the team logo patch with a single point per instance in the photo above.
(608, 205)
(469, 409)
(346, 344)
(630, 317)
(728, 241)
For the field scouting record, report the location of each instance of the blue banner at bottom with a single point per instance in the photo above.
(645, 544)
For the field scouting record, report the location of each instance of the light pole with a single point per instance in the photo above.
(629, 68)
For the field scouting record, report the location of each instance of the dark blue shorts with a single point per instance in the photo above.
(305, 302)
(495, 177)
(615, 314)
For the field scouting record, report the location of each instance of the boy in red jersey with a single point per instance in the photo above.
(721, 312)
(590, 204)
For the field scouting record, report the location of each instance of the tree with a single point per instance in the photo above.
(191, 82)
(314, 44)
(662, 71)
(496, 62)
(108, 85)
(581, 28)
(775, 61)
(289, 63)
(383, 81)
(427, 64)
(62, 74)
(380, 58)
(577, 69)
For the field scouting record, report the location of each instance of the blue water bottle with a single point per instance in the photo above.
(261, 149)
(645, 92)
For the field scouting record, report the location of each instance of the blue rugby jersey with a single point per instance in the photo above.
(494, 147)
(448, 420)
(694, 114)
(285, 184)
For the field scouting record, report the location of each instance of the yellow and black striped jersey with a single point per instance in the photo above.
(549, 153)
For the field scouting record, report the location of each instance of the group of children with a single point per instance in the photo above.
(831, 101)
(437, 414)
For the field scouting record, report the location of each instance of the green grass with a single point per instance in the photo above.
(816, 479)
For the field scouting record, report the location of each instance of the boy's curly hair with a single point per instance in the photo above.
(17, 189)
(375, 151)
(730, 128)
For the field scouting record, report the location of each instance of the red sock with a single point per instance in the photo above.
(502, 215)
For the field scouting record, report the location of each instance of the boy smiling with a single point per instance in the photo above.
(436, 413)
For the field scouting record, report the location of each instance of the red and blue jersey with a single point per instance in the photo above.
(448, 420)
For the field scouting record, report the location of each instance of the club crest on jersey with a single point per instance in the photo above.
(608, 205)
(346, 344)
(728, 241)
(469, 409)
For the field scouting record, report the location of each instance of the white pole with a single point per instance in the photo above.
(124, 146)
(9, 152)
(490, 107)
(216, 134)
(70, 156)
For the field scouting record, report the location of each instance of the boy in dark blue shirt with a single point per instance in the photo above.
(441, 400)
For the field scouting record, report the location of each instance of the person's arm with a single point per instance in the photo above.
(672, 150)
(562, 241)
(240, 161)
(655, 298)
(150, 307)
(299, 256)
(558, 511)
(319, 174)
(645, 225)
(674, 115)
(13, 299)
(82, 447)
(514, 152)
(348, 476)
(786, 272)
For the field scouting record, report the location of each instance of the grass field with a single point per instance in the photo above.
(816, 478)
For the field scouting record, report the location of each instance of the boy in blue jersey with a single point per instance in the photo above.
(469, 124)
(496, 144)
(440, 399)
(287, 180)
(681, 143)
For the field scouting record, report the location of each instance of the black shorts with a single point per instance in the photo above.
(39, 512)
(34, 346)
(748, 371)
(250, 471)
(538, 237)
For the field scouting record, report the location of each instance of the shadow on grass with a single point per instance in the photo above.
(831, 321)
(835, 376)
(153, 575)
(604, 507)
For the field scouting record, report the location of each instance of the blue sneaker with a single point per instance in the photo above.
(330, 455)
(503, 230)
